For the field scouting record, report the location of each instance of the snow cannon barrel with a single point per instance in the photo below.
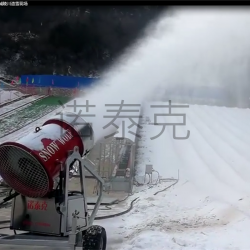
(30, 164)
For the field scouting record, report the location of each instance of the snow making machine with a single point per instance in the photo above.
(36, 167)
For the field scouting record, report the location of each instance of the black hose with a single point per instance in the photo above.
(108, 208)
(3, 193)
(9, 198)
(131, 204)
(118, 214)
(167, 187)
(6, 202)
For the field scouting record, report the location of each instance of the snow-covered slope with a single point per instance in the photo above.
(209, 208)
(17, 104)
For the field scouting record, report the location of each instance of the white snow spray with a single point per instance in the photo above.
(185, 47)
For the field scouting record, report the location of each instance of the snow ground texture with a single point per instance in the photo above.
(209, 208)
(6, 96)
(13, 106)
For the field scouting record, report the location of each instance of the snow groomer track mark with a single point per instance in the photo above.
(21, 118)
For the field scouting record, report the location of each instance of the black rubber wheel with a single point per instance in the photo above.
(94, 238)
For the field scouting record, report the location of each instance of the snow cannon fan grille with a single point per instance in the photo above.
(23, 172)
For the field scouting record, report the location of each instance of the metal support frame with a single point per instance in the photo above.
(74, 237)
(117, 183)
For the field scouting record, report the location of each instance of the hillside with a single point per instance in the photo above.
(68, 40)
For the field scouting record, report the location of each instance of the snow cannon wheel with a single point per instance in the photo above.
(94, 238)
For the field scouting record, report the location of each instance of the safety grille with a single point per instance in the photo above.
(23, 172)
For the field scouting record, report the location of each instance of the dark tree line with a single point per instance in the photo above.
(68, 40)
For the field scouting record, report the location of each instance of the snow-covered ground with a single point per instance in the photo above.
(16, 104)
(27, 129)
(6, 96)
(209, 208)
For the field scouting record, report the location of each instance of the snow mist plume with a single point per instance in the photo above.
(187, 47)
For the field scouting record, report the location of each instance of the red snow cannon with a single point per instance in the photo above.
(30, 164)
